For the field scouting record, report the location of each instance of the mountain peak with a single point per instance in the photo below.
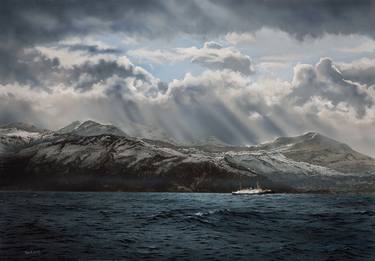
(309, 141)
(323, 141)
(90, 128)
(306, 138)
(312, 134)
(315, 136)
(315, 148)
(90, 123)
(70, 127)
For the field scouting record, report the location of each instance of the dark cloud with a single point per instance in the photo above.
(91, 49)
(29, 23)
(25, 24)
(28, 67)
(84, 76)
(34, 69)
(34, 21)
(303, 17)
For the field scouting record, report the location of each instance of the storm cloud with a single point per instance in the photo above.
(25, 24)
(214, 48)
(44, 20)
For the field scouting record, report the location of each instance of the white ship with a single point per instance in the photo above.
(252, 191)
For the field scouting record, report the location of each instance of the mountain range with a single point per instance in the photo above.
(89, 156)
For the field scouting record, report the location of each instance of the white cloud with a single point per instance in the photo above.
(270, 67)
(224, 103)
(240, 38)
(254, 115)
(157, 56)
(366, 46)
(211, 55)
(326, 81)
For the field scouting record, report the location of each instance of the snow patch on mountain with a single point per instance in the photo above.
(15, 136)
(275, 162)
(24, 134)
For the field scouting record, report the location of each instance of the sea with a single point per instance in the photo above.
(185, 226)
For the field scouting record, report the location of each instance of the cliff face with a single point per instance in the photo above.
(71, 160)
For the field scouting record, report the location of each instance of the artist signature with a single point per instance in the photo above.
(32, 252)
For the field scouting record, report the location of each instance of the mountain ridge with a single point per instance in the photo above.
(92, 156)
(315, 148)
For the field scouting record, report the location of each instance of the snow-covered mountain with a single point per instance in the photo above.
(18, 135)
(320, 150)
(92, 156)
(90, 128)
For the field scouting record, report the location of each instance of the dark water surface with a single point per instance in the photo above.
(139, 226)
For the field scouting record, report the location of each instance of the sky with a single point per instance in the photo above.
(241, 72)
